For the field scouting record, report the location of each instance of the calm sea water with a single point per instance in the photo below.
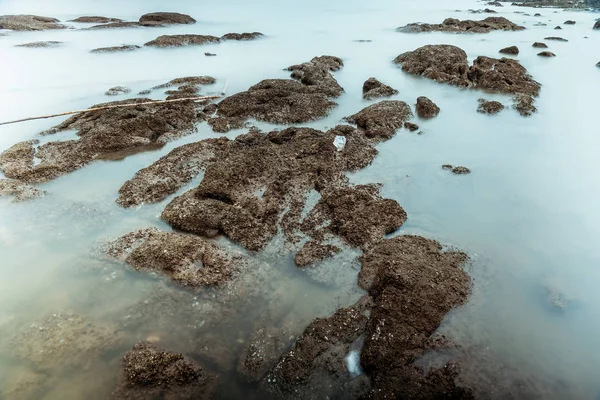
(527, 215)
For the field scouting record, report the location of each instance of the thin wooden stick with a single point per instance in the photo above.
(109, 107)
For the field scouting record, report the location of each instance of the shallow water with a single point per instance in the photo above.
(527, 215)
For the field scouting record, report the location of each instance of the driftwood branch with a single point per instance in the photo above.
(109, 107)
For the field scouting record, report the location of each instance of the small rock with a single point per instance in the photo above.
(447, 167)
(569, 22)
(557, 27)
(489, 107)
(242, 36)
(373, 88)
(50, 43)
(537, 15)
(209, 54)
(426, 108)
(467, 26)
(113, 25)
(540, 24)
(597, 25)
(167, 18)
(460, 170)
(182, 40)
(117, 90)
(29, 23)
(20, 190)
(514, 50)
(411, 126)
(114, 49)
(95, 20)
(598, 64)
(556, 38)
(143, 92)
(524, 105)
(540, 45)
(546, 54)
(495, 3)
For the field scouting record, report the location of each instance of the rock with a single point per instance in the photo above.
(114, 49)
(557, 27)
(467, 26)
(556, 38)
(495, 3)
(461, 170)
(540, 24)
(242, 36)
(357, 214)
(117, 90)
(382, 119)
(115, 25)
(28, 23)
(304, 98)
(447, 167)
(186, 260)
(502, 76)
(537, 15)
(182, 40)
(167, 18)
(95, 20)
(150, 373)
(372, 89)
(570, 22)
(20, 190)
(23, 383)
(102, 134)
(442, 63)
(313, 251)
(411, 127)
(50, 43)
(64, 340)
(426, 108)
(209, 54)
(598, 64)
(513, 50)
(540, 45)
(597, 24)
(524, 105)
(145, 92)
(489, 107)
(546, 54)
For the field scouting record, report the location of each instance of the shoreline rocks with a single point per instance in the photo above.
(114, 49)
(20, 190)
(95, 20)
(512, 50)
(546, 54)
(454, 25)
(167, 18)
(426, 108)
(556, 38)
(373, 88)
(46, 44)
(117, 90)
(489, 107)
(539, 45)
(29, 23)
(198, 40)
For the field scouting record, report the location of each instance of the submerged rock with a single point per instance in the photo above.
(187, 260)
(558, 27)
(182, 40)
(96, 20)
(167, 18)
(115, 25)
(29, 23)
(382, 119)
(447, 167)
(596, 25)
(569, 22)
(117, 90)
(373, 88)
(20, 190)
(495, 3)
(524, 105)
(49, 43)
(502, 76)
(513, 50)
(546, 54)
(467, 26)
(102, 134)
(242, 36)
(313, 252)
(540, 45)
(114, 49)
(460, 170)
(411, 127)
(150, 373)
(489, 107)
(426, 108)
(304, 98)
(556, 38)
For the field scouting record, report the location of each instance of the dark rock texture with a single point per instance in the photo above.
(167, 18)
(524, 105)
(467, 26)
(20, 190)
(116, 25)
(570, 22)
(382, 119)
(556, 38)
(426, 108)
(411, 126)
(149, 373)
(597, 25)
(29, 23)
(50, 43)
(182, 40)
(546, 54)
(114, 49)
(242, 36)
(489, 107)
(117, 90)
(540, 45)
(512, 50)
(460, 170)
(373, 88)
(96, 20)
(313, 252)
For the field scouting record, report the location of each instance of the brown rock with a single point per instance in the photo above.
(426, 108)
(502, 75)
(513, 50)
(441, 63)
(557, 27)
(373, 88)
(20, 190)
(116, 25)
(540, 45)
(597, 24)
(114, 49)
(313, 251)
(556, 38)
(182, 40)
(495, 3)
(187, 260)
(411, 127)
(382, 119)
(167, 18)
(447, 167)
(50, 43)
(489, 107)
(570, 22)
(467, 26)
(150, 373)
(524, 105)
(28, 23)
(546, 54)
(95, 20)
(117, 90)
(460, 170)
(242, 36)
(209, 54)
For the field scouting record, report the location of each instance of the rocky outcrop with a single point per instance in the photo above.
(166, 18)
(467, 26)
(313, 252)
(182, 40)
(116, 25)
(373, 88)
(489, 107)
(242, 36)
(95, 20)
(512, 50)
(50, 43)
(596, 25)
(411, 126)
(524, 105)
(558, 27)
(556, 38)
(19, 190)
(117, 90)
(150, 373)
(382, 119)
(426, 108)
(186, 260)
(539, 45)
(115, 49)
(460, 170)
(546, 54)
(570, 22)
(29, 23)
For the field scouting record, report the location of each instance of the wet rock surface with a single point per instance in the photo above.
(489, 107)
(29, 23)
(467, 26)
(524, 105)
(512, 50)
(540, 45)
(242, 36)
(20, 190)
(596, 25)
(102, 134)
(411, 126)
(182, 40)
(426, 108)
(95, 20)
(373, 88)
(313, 252)
(304, 98)
(570, 22)
(117, 90)
(115, 49)
(151, 373)
(460, 170)
(187, 260)
(167, 18)
(49, 43)
(556, 39)
(546, 54)
(382, 119)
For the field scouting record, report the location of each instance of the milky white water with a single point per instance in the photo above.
(527, 214)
